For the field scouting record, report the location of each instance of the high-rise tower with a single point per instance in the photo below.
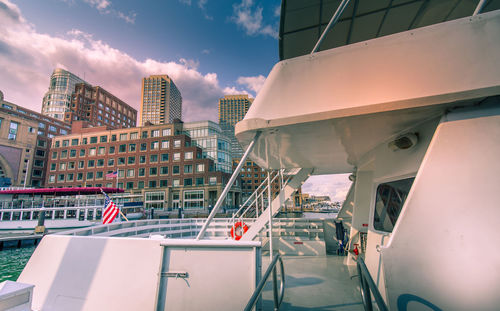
(161, 101)
(232, 109)
(57, 100)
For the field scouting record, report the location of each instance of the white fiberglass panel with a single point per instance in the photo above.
(442, 253)
(326, 110)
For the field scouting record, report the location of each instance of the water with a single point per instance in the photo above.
(12, 262)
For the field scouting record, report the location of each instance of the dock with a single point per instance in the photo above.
(17, 241)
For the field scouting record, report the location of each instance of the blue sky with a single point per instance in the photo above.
(208, 47)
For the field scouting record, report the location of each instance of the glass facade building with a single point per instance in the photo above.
(57, 100)
(208, 135)
(232, 109)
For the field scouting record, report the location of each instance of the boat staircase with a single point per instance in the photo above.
(257, 207)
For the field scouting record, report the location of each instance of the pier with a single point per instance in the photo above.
(17, 241)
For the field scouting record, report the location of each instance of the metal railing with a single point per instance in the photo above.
(277, 296)
(367, 287)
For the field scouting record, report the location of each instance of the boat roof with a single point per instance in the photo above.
(63, 191)
(303, 21)
(326, 110)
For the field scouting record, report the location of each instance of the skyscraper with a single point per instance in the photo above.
(161, 101)
(232, 109)
(57, 100)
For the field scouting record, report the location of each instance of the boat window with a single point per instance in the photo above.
(390, 199)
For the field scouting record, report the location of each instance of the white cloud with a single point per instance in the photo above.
(253, 83)
(249, 17)
(27, 59)
(104, 7)
(335, 186)
(201, 5)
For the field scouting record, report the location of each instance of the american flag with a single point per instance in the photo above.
(112, 175)
(110, 210)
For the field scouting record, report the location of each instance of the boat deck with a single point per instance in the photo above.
(316, 283)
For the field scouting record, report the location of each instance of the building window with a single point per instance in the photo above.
(144, 134)
(72, 153)
(142, 172)
(92, 151)
(40, 153)
(79, 176)
(130, 185)
(166, 132)
(144, 147)
(113, 137)
(62, 166)
(164, 183)
(65, 143)
(188, 168)
(54, 154)
(176, 183)
(53, 166)
(130, 173)
(70, 177)
(111, 162)
(121, 161)
(165, 144)
(200, 181)
(133, 135)
(82, 152)
(175, 169)
(122, 148)
(188, 155)
(152, 184)
(93, 140)
(164, 157)
(131, 160)
(155, 133)
(90, 175)
(111, 149)
(90, 163)
(81, 164)
(131, 147)
(52, 178)
(200, 168)
(123, 136)
(153, 171)
(121, 173)
(164, 170)
(188, 181)
(64, 154)
(177, 156)
(140, 185)
(103, 139)
(98, 175)
(193, 199)
(74, 142)
(212, 180)
(142, 159)
(153, 158)
(177, 143)
(101, 151)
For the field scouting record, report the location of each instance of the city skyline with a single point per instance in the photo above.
(211, 49)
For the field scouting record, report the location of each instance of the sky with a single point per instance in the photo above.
(208, 47)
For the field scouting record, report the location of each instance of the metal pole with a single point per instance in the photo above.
(270, 215)
(332, 22)
(228, 186)
(479, 7)
(26, 174)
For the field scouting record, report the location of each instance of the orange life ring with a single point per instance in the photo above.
(235, 231)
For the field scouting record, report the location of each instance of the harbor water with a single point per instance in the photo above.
(12, 262)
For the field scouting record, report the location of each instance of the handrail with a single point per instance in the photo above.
(278, 298)
(366, 285)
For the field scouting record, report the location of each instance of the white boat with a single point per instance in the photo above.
(64, 208)
(414, 116)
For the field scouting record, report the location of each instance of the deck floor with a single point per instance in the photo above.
(316, 283)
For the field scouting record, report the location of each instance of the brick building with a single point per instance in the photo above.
(99, 107)
(157, 161)
(24, 142)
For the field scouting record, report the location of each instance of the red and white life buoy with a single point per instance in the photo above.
(236, 230)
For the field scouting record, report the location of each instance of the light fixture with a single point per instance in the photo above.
(404, 142)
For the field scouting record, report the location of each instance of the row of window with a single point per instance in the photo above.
(114, 137)
(153, 158)
(198, 181)
(164, 170)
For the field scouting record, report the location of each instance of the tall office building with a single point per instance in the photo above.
(232, 109)
(57, 100)
(161, 101)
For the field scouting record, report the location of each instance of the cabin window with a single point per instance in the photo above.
(390, 199)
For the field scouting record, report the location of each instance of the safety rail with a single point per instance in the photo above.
(367, 286)
(277, 297)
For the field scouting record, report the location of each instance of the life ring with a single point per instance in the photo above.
(236, 229)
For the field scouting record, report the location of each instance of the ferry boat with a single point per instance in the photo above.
(405, 96)
(64, 208)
